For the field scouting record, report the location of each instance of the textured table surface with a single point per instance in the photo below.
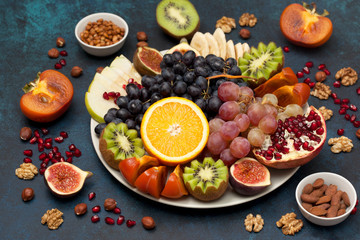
(30, 29)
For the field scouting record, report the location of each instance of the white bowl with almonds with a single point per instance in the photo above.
(325, 198)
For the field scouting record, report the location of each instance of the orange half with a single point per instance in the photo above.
(174, 130)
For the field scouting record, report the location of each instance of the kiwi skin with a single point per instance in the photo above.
(108, 155)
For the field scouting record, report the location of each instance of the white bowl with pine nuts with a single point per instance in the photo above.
(101, 34)
(329, 178)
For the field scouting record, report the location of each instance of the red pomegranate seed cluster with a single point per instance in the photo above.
(345, 106)
(306, 70)
(62, 62)
(111, 95)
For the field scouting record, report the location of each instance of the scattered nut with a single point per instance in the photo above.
(80, 209)
(321, 91)
(53, 218)
(76, 71)
(348, 76)
(60, 42)
(110, 204)
(226, 24)
(148, 223)
(289, 224)
(27, 194)
(141, 36)
(142, 44)
(99, 69)
(327, 113)
(358, 133)
(26, 171)
(247, 19)
(25, 133)
(320, 76)
(244, 33)
(340, 144)
(253, 223)
(53, 53)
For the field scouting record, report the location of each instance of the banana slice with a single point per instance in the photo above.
(246, 48)
(239, 52)
(200, 43)
(219, 35)
(213, 44)
(230, 49)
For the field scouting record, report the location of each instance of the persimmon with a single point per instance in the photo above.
(304, 26)
(152, 181)
(298, 94)
(174, 187)
(47, 97)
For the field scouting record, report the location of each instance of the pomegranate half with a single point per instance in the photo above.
(296, 141)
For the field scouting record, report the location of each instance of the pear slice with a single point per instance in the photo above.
(230, 50)
(239, 52)
(213, 44)
(200, 43)
(127, 67)
(103, 84)
(97, 106)
(219, 35)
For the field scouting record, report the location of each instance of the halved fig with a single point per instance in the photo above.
(249, 177)
(296, 141)
(65, 179)
(147, 61)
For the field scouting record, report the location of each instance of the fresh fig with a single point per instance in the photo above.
(65, 179)
(147, 61)
(249, 177)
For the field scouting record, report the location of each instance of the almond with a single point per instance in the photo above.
(308, 189)
(335, 199)
(345, 198)
(332, 211)
(307, 206)
(309, 198)
(341, 212)
(318, 183)
(318, 211)
(323, 199)
(331, 190)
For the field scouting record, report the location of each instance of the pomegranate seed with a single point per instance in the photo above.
(68, 154)
(120, 220)
(124, 86)
(352, 118)
(109, 221)
(77, 153)
(342, 111)
(42, 156)
(337, 101)
(58, 66)
(130, 223)
(43, 165)
(91, 195)
(27, 160)
(312, 84)
(33, 140)
(46, 160)
(63, 53)
(28, 153)
(286, 49)
(118, 94)
(51, 155)
(333, 95)
(300, 74)
(327, 72)
(62, 62)
(106, 96)
(307, 80)
(48, 145)
(69, 160)
(277, 156)
(345, 106)
(321, 66)
(353, 211)
(356, 124)
(358, 90)
(320, 131)
(112, 94)
(57, 155)
(345, 101)
(42, 170)
(95, 218)
(306, 70)
(309, 64)
(40, 140)
(62, 159)
(340, 132)
(353, 108)
(36, 133)
(117, 210)
(48, 140)
(59, 139)
(55, 149)
(64, 134)
(44, 131)
(40, 147)
(347, 117)
(54, 161)
(337, 84)
(72, 147)
(96, 209)
(357, 202)
(131, 80)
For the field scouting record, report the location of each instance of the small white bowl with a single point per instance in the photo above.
(105, 50)
(329, 178)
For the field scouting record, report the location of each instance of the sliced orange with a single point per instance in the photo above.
(174, 130)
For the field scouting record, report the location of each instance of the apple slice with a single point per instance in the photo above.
(127, 67)
(97, 106)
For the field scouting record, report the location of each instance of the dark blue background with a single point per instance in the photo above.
(30, 29)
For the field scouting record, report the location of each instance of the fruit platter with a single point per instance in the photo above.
(227, 114)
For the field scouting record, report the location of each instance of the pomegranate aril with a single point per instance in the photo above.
(40, 147)
(277, 156)
(55, 149)
(27, 160)
(352, 118)
(77, 153)
(117, 95)
(306, 70)
(69, 160)
(51, 155)
(64, 134)
(40, 140)
(57, 155)
(357, 202)
(342, 111)
(48, 145)
(358, 90)
(106, 96)
(321, 66)
(307, 80)
(44, 131)
(95, 218)
(309, 64)
(130, 223)
(345, 101)
(72, 147)
(333, 95)
(59, 139)
(124, 86)
(117, 210)
(286, 49)
(347, 117)
(42, 170)
(63, 53)
(300, 74)
(96, 209)
(62, 62)
(33, 140)
(109, 221)
(337, 101)
(91, 195)
(120, 220)
(54, 161)
(112, 94)
(46, 160)
(48, 140)
(340, 132)
(131, 80)
(42, 156)
(57, 66)
(61, 159)
(68, 154)
(28, 153)
(43, 165)
(320, 131)
(337, 84)
(36, 133)
(327, 72)
(353, 107)
(356, 124)
(353, 211)
(312, 84)
(345, 106)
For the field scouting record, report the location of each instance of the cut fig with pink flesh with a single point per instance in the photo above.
(296, 141)
(249, 177)
(65, 179)
(147, 61)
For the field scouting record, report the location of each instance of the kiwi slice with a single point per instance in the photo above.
(178, 18)
(208, 180)
(261, 63)
(117, 143)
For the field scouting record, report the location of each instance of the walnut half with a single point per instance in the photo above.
(53, 218)
(289, 224)
(321, 91)
(253, 223)
(347, 75)
(226, 24)
(327, 113)
(247, 19)
(26, 171)
(341, 144)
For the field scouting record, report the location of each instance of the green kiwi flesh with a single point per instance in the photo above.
(208, 180)
(178, 18)
(261, 63)
(117, 143)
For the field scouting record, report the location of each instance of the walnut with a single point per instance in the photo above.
(327, 113)
(289, 224)
(26, 171)
(321, 91)
(247, 20)
(342, 143)
(253, 223)
(226, 24)
(53, 218)
(348, 76)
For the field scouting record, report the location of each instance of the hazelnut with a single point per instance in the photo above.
(76, 71)
(141, 36)
(142, 44)
(25, 133)
(358, 133)
(53, 53)
(320, 76)
(148, 223)
(244, 33)
(80, 209)
(99, 69)
(27, 194)
(60, 42)
(109, 204)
